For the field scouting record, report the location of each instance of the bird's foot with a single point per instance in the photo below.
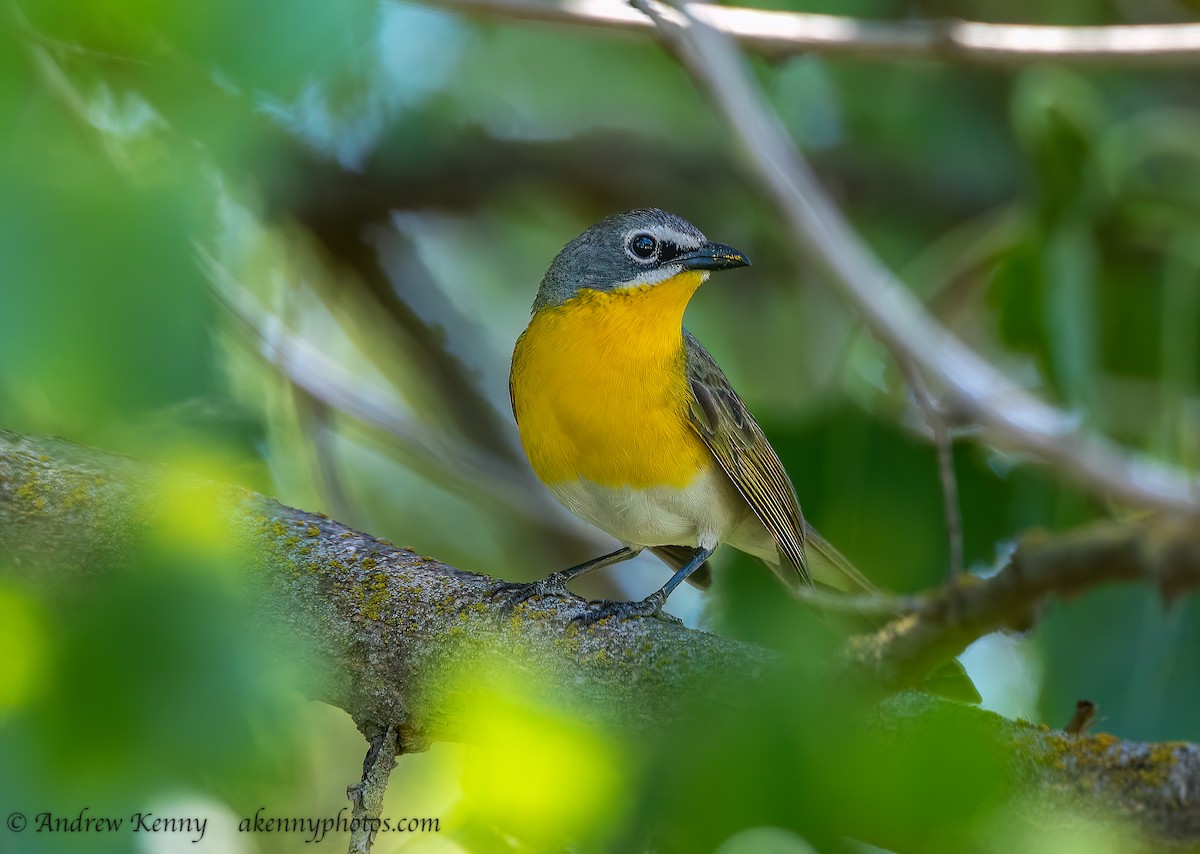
(604, 609)
(513, 593)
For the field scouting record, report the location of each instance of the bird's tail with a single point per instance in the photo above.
(831, 568)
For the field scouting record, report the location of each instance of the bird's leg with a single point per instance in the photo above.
(555, 584)
(652, 605)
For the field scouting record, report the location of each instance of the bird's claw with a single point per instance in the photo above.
(515, 592)
(604, 609)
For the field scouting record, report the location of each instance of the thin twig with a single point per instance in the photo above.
(935, 417)
(367, 794)
(782, 34)
(1012, 416)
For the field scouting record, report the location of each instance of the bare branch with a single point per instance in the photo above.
(1012, 416)
(782, 34)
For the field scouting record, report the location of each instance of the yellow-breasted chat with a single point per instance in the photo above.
(631, 424)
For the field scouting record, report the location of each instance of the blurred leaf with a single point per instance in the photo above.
(273, 44)
(25, 640)
(1056, 116)
(803, 754)
(105, 311)
(1070, 273)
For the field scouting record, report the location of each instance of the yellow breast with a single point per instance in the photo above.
(600, 390)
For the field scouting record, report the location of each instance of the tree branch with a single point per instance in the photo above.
(379, 629)
(1011, 416)
(1164, 551)
(781, 34)
(367, 794)
(382, 623)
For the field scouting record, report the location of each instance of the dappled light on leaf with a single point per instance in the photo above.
(536, 772)
(25, 650)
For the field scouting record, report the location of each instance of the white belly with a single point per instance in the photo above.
(706, 513)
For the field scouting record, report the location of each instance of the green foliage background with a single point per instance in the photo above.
(387, 183)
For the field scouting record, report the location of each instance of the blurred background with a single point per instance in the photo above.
(290, 245)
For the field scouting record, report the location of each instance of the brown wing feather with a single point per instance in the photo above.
(742, 450)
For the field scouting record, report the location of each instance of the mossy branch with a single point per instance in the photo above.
(375, 618)
(381, 625)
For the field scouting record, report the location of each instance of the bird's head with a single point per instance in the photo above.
(630, 250)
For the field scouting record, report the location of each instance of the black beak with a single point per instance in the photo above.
(713, 256)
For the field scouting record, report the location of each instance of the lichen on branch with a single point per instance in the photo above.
(420, 649)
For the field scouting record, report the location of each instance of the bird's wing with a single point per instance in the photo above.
(742, 450)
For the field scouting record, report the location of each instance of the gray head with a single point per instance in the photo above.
(631, 249)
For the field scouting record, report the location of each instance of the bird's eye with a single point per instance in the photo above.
(643, 246)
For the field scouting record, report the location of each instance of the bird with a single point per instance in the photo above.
(632, 425)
